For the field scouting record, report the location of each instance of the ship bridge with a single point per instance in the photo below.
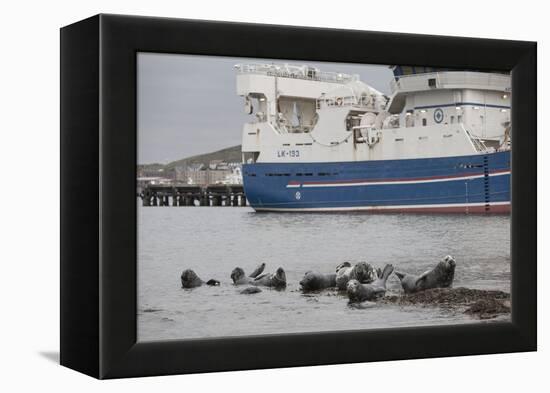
(409, 80)
(479, 100)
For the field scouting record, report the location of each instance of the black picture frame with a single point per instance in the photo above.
(98, 203)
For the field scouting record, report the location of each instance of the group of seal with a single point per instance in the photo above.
(190, 279)
(362, 282)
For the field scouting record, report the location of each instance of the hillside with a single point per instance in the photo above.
(229, 154)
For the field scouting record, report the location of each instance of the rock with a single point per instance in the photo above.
(484, 304)
(488, 308)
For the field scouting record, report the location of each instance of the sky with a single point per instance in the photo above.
(188, 104)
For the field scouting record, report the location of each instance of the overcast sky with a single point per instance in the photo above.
(188, 105)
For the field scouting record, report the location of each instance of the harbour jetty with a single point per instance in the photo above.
(193, 195)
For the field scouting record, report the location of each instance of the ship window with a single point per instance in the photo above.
(431, 82)
(452, 119)
(277, 174)
(399, 139)
(459, 119)
(424, 122)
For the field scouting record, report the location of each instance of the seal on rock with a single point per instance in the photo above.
(362, 272)
(440, 276)
(314, 281)
(239, 277)
(358, 292)
(190, 279)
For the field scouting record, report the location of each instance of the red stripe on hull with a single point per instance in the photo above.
(492, 209)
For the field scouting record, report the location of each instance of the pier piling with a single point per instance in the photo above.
(185, 195)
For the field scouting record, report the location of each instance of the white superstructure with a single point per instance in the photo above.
(301, 114)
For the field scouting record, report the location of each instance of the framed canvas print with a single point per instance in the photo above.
(300, 196)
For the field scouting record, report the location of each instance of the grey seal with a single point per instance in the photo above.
(273, 280)
(190, 279)
(440, 276)
(358, 292)
(314, 281)
(362, 272)
(239, 277)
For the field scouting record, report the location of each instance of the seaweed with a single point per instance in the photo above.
(484, 304)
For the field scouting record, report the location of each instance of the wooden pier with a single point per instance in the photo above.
(193, 195)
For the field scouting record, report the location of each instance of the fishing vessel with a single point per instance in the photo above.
(327, 141)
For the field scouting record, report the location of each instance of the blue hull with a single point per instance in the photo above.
(466, 184)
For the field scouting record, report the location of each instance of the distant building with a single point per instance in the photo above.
(217, 172)
(154, 172)
(215, 164)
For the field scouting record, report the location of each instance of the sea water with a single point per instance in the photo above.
(214, 240)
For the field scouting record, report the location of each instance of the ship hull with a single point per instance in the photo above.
(465, 184)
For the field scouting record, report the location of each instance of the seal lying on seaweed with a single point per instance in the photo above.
(440, 276)
(190, 279)
(358, 292)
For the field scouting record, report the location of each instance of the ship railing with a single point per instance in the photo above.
(371, 101)
(477, 142)
(337, 101)
(296, 72)
(285, 128)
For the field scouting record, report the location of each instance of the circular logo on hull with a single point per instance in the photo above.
(438, 115)
(298, 195)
